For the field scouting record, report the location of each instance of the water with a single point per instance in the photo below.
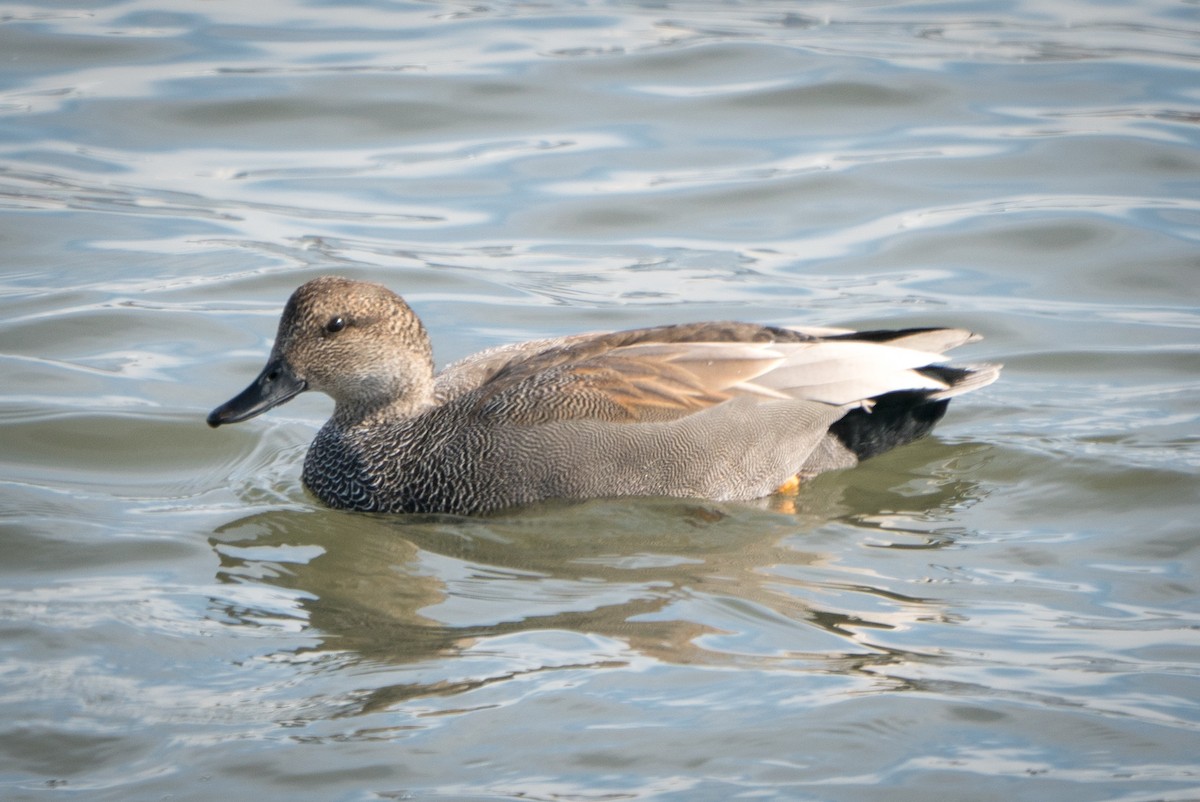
(1006, 610)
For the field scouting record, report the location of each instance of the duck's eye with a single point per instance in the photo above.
(335, 324)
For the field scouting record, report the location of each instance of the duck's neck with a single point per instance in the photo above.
(383, 409)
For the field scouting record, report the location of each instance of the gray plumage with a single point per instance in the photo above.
(710, 410)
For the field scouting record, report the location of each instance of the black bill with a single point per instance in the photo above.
(276, 384)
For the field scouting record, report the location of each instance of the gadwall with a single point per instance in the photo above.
(722, 411)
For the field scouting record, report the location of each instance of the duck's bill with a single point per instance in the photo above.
(275, 385)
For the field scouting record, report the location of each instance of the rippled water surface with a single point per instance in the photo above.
(1007, 610)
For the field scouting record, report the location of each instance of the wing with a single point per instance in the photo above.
(671, 372)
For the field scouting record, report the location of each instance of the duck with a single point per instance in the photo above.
(724, 411)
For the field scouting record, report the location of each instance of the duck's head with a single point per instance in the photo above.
(357, 342)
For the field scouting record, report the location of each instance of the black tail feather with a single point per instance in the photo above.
(894, 419)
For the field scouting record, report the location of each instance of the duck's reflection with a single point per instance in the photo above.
(675, 581)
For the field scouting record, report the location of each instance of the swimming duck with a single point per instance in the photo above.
(722, 411)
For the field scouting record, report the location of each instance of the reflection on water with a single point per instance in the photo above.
(1005, 610)
(715, 584)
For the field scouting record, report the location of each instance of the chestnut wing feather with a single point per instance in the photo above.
(641, 375)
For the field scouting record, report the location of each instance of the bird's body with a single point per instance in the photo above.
(711, 410)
